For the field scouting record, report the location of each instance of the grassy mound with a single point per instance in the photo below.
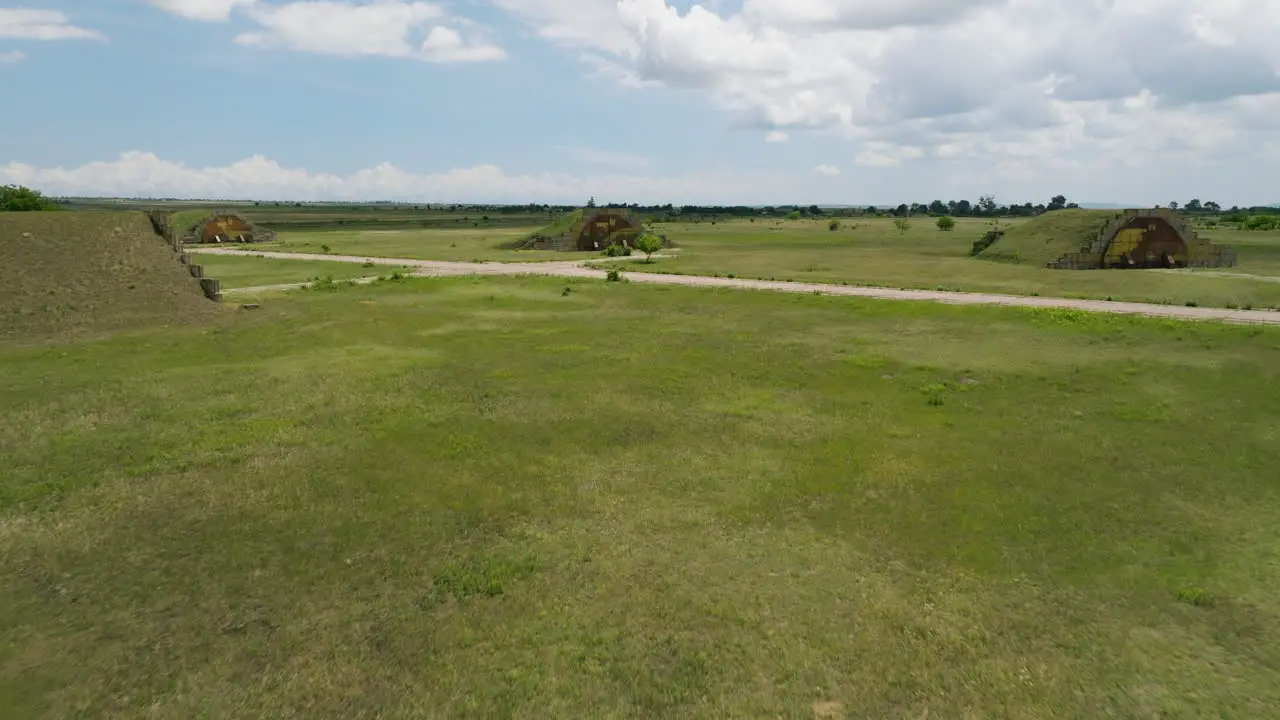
(75, 271)
(558, 227)
(1050, 236)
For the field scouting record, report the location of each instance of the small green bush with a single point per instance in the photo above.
(648, 244)
(613, 275)
(833, 225)
(946, 223)
(617, 250)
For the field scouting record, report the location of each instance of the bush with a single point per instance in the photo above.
(903, 225)
(1262, 222)
(16, 198)
(648, 244)
(946, 223)
(613, 275)
(986, 241)
(833, 225)
(617, 250)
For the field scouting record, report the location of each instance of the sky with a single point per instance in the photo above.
(1138, 102)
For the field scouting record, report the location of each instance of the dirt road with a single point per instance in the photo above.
(581, 269)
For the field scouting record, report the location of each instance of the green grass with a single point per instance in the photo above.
(562, 224)
(1047, 238)
(248, 270)
(874, 253)
(486, 498)
(465, 245)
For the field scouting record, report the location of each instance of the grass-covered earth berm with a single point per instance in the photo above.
(63, 273)
(504, 497)
(1042, 240)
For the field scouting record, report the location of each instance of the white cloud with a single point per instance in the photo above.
(140, 174)
(862, 14)
(915, 80)
(27, 24)
(445, 44)
(881, 154)
(338, 28)
(203, 10)
(581, 23)
(12, 57)
(388, 28)
(777, 136)
(827, 170)
(605, 157)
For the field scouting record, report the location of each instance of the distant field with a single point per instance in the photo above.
(307, 217)
(494, 498)
(233, 271)
(872, 252)
(435, 244)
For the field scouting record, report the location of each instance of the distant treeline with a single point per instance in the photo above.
(325, 213)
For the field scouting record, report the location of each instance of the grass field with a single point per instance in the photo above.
(874, 253)
(432, 244)
(862, 252)
(235, 271)
(489, 498)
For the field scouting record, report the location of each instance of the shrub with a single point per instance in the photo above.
(324, 248)
(16, 198)
(946, 223)
(793, 215)
(616, 250)
(987, 240)
(648, 244)
(833, 225)
(1262, 222)
(613, 275)
(903, 225)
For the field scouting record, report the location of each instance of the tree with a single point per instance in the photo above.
(902, 210)
(648, 244)
(1057, 202)
(592, 202)
(1213, 207)
(903, 225)
(1194, 206)
(937, 207)
(946, 223)
(987, 204)
(814, 210)
(963, 209)
(16, 198)
(793, 215)
(833, 225)
(1173, 206)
